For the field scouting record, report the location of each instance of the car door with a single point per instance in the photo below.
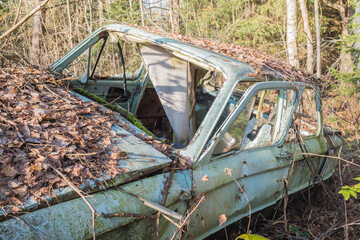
(243, 166)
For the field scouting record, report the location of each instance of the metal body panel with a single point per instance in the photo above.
(72, 219)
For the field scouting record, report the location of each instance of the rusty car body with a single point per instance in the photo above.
(243, 139)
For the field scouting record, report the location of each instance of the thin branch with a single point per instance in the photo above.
(22, 21)
(319, 155)
(184, 222)
(333, 5)
(134, 215)
(71, 185)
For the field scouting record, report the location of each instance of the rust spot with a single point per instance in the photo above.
(237, 197)
(278, 180)
(244, 162)
(190, 236)
(241, 190)
(276, 193)
(245, 175)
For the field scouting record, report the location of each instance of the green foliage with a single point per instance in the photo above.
(247, 23)
(251, 237)
(348, 191)
(349, 82)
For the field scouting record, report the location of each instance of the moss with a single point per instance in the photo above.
(126, 114)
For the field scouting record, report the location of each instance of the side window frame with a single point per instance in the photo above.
(276, 85)
(319, 116)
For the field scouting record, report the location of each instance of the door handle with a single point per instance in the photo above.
(284, 155)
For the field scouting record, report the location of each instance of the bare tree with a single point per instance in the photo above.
(309, 40)
(35, 43)
(101, 12)
(142, 13)
(176, 15)
(357, 31)
(291, 32)
(318, 50)
(345, 57)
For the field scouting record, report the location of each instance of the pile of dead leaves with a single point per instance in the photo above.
(42, 127)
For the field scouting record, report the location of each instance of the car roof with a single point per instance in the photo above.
(231, 68)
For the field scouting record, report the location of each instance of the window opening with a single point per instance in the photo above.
(306, 114)
(261, 123)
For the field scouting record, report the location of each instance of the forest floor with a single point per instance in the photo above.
(318, 215)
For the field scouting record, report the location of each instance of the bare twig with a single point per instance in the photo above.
(167, 186)
(170, 220)
(56, 94)
(80, 154)
(28, 226)
(285, 204)
(184, 222)
(134, 215)
(18, 12)
(71, 185)
(158, 225)
(335, 157)
(331, 230)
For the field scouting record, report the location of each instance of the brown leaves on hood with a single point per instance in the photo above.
(40, 124)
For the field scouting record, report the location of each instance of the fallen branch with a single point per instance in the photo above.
(71, 185)
(16, 26)
(187, 217)
(134, 215)
(346, 225)
(319, 155)
(80, 154)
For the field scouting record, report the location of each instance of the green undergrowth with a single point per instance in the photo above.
(126, 114)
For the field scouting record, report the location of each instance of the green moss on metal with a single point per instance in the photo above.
(128, 115)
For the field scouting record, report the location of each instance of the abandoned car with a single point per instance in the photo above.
(246, 141)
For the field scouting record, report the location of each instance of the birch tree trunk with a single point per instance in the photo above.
(291, 33)
(309, 40)
(318, 49)
(35, 43)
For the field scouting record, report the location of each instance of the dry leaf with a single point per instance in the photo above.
(222, 219)
(228, 171)
(205, 178)
(9, 171)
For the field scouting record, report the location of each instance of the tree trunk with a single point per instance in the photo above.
(291, 33)
(357, 32)
(346, 64)
(309, 40)
(142, 13)
(101, 12)
(176, 15)
(69, 22)
(35, 43)
(318, 42)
